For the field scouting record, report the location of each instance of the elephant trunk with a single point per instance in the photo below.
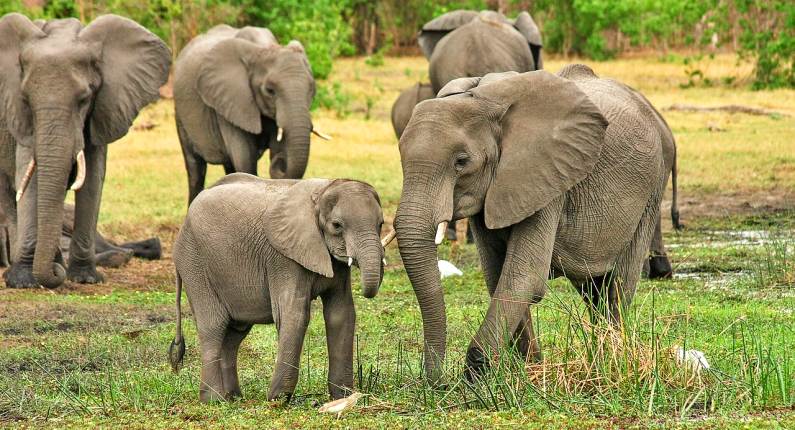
(293, 116)
(370, 255)
(415, 223)
(54, 163)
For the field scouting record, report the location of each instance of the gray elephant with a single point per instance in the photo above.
(238, 93)
(67, 91)
(467, 43)
(558, 174)
(257, 251)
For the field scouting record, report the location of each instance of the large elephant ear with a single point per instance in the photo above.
(15, 30)
(434, 30)
(134, 65)
(551, 138)
(527, 27)
(291, 227)
(225, 86)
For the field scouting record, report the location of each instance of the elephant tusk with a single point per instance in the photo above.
(388, 238)
(321, 135)
(383, 260)
(350, 261)
(279, 134)
(81, 171)
(26, 179)
(440, 232)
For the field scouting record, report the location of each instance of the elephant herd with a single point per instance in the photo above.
(558, 175)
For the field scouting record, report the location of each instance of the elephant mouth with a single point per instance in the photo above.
(350, 261)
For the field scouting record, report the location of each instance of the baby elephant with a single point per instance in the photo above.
(257, 251)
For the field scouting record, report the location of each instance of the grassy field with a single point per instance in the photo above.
(88, 356)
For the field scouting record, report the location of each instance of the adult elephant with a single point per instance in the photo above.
(404, 105)
(467, 43)
(67, 91)
(237, 93)
(557, 174)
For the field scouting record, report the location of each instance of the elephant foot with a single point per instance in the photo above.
(281, 396)
(20, 276)
(149, 249)
(476, 364)
(210, 396)
(84, 274)
(338, 392)
(114, 259)
(659, 267)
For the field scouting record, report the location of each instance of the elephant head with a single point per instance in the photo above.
(501, 147)
(252, 80)
(316, 220)
(433, 31)
(64, 86)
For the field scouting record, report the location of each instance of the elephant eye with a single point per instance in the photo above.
(461, 161)
(337, 226)
(269, 90)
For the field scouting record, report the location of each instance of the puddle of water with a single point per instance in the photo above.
(729, 238)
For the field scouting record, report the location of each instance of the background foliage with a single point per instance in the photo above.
(760, 30)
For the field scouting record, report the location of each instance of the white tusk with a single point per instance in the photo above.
(26, 179)
(388, 238)
(279, 134)
(350, 261)
(384, 261)
(81, 171)
(440, 232)
(323, 136)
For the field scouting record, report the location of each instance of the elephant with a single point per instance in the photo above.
(559, 175)
(237, 92)
(466, 43)
(108, 253)
(67, 91)
(258, 251)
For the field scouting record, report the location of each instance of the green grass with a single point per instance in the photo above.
(95, 356)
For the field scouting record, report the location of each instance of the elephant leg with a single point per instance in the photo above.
(82, 260)
(235, 333)
(291, 315)
(108, 254)
(194, 164)
(340, 318)
(244, 157)
(492, 248)
(8, 220)
(149, 249)
(451, 231)
(659, 265)
(20, 273)
(229, 168)
(522, 283)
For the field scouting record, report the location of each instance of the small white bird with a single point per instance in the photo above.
(341, 405)
(447, 268)
(694, 359)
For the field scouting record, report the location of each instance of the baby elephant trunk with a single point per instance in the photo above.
(371, 255)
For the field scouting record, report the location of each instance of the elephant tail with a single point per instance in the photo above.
(674, 197)
(177, 349)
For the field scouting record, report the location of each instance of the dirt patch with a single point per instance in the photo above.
(693, 206)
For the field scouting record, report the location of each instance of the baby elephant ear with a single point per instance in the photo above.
(291, 227)
(551, 138)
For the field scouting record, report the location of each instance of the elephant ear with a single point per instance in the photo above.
(224, 83)
(551, 137)
(134, 65)
(527, 27)
(433, 31)
(15, 31)
(292, 227)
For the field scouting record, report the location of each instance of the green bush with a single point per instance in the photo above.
(318, 25)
